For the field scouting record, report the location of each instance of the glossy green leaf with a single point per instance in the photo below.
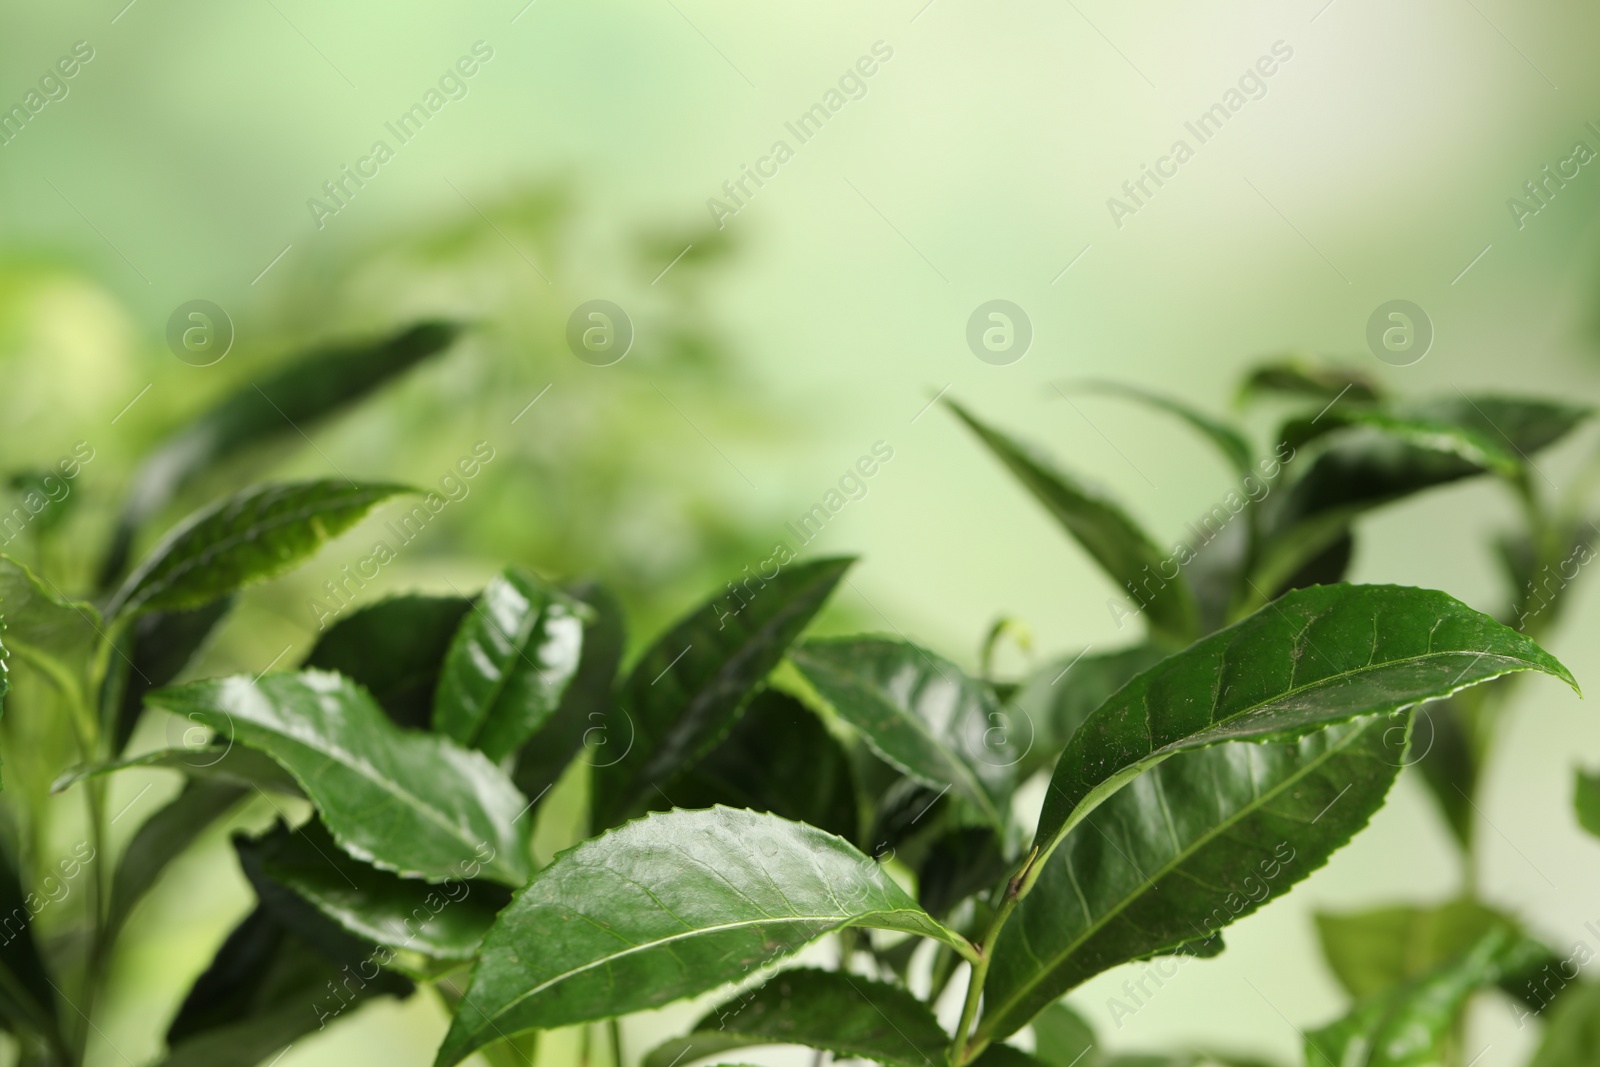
(216, 760)
(1055, 699)
(1105, 531)
(1301, 378)
(687, 690)
(588, 708)
(1187, 848)
(1408, 1026)
(1374, 951)
(1586, 800)
(158, 646)
(1233, 445)
(919, 712)
(164, 837)
(407, 802)
(666, 907)
(1572, 1030)
(1318, 655)
(395, 648)
(267, 987)
(779, 758)
(509, 664)
(438, 922)
(254, 534)
(284, 404)
(851, 1016)
(1467, 443)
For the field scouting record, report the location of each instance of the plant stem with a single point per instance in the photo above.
(963, 1049)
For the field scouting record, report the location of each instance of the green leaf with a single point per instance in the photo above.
(666, 907)
(1302, 378)
(1408, 1026)
(687, 690)
(1198, 842)
(1316, 656)
(254, 534)
(919, 712)
(217, 762)
(285, 404)
(44, 628)
(1467, 443)
(587, 707)
(509, 664)
(1372, 952)
(1055, 699)
(395, 648)
(27, 1001)
(164, 837)
(407, 802)
(442, 923)
(158, 646)
(850, 1016)
(962, 861)
(779, 758)
(1572, 1031)
(1062, 1037)
(1105, 531)
(1448, 759)
(269, 986)
(1233, 445)
(1586, 800)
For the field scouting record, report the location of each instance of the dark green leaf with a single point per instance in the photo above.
(27, 1001)
(850, 1016)
(1229, 441)
(779, 758)
(254, 534)
(1372, 952)
(687, 690)
(1202, 840)
(1055, 700)
(1105, 531)
(666, 907)
(919, 712)
(961, 862)
(395, 648)
(1572, 1031)
(1586, 799)
(157, 648)
(509, 664)
(1448, 760)
(441, 923)
(1407, 1026)
(1316, 656)
(285, 404)
(218, 762)
(408, 802)
(1467, 443)
(1303, 378)
(587, 707)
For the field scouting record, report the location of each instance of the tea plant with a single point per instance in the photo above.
(752, 792)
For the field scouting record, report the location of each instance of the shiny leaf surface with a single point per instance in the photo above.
(395, 649)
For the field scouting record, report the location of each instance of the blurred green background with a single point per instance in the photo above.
(819, 319)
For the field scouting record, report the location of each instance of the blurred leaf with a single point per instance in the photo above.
(395, 648)
(53, 510)
(1062, 1037)
(509, 664)
(286, 404)
(1105, 531)
(215, 762)
(1233, 445)
(1448, 762)
(1468, 443)
(407, 802)
(1316, 656)
(919, 712)
(588, 702)
(850, 1016)
(686, 691)
(1184, 850)
(1572, 1031)
(778, 758)
(254, 534)
(666, 907)
(44, 628)
(27, 1000)
(1055, 699)
(158, 646)
(961, 862)
(1409, 1025)
(1372, 952)
(1586, 799)
(443, 923)
(1302, 378)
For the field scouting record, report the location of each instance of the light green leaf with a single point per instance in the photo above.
(1572, 1030)
(44, 628)
(512, 659)
(1372, 952)
(1318, 655)
(666, 907)
(851, 1016)
(1187, 848)
(919, 712)
(254, 534)
(1105, 531)
(1233, 445)
(412, 803)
